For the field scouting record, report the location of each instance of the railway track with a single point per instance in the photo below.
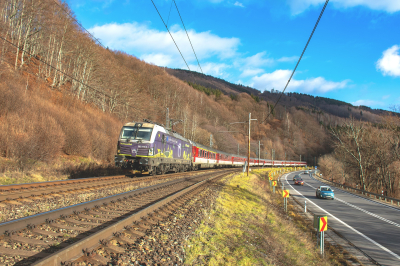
(86, 231)
(21, 191)
(17, 201)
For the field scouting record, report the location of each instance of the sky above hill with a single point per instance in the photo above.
(353, 55)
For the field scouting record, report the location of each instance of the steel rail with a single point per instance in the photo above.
(22, 223)
(6, 188)
(20, 191)
(91, 242)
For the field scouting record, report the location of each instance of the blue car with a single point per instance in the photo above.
(325, 192)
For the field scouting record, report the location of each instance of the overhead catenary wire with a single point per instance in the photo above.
(170, 34)
(309, 39)
(56, 69)
(188, 37)
(169, 14)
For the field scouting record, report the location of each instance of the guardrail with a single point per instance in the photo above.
(363, 192)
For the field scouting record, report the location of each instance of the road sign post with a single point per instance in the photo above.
(321, 224)
(270, 178)
(285, 194)
(274, 185)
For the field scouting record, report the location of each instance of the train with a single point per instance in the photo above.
(150, 147)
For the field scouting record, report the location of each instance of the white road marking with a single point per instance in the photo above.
(361, 209)
(348, 226)
(354, 195)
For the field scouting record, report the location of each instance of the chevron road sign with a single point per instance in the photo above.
(285, 193)
(323, 223)
(274, 183)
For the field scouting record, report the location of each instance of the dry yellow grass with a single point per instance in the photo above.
(244, 228)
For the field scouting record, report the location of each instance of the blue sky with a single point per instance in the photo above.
(353, 56)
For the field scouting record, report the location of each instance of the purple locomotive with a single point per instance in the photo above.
(150, 147)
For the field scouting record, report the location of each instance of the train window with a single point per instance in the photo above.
(136, 133)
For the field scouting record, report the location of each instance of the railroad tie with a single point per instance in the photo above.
(22, 253)
(44, 232)
(73, 221)
(31, 241)
(13, 202)
(88, 217)
(66, 227)
(125, 239)
(109, 209)
(94, 259)
(156, 217)
(25, 200)
(113, 248)
(104, 213)
(135, 233)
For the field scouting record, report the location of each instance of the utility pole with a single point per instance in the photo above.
(259, 152)
(248, 152)
(300, 157)
(211, 142)
(167, 119)
(285, 159)
(238, 148)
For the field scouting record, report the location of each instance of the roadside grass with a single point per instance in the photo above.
(64, 167)
(245, 227)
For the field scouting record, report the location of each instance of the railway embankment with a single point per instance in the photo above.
(247, 226)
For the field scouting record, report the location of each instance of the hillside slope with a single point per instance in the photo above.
(291, 99)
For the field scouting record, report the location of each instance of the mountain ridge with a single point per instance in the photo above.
(301, 99)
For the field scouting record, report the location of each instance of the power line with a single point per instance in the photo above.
(188, 37)
(56, 69)
(170, 34)
(309, 39)
(169, 12)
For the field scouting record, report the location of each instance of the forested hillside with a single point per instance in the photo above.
(65, 96)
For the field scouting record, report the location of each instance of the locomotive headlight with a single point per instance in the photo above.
(151, 150)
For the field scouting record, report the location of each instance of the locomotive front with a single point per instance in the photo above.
(150, 147)
(135, 146)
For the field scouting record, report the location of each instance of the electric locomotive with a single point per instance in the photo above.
(150, 147)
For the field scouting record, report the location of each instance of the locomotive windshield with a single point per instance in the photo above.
(142, 133)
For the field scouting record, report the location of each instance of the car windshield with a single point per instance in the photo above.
(326, 189)
(142, 133)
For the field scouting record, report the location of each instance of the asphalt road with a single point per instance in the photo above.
(371, 226)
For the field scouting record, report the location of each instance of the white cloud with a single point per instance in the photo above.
(257, 60)
(389, 63)
(288, 59)
(238, 4)
(385, 97)
(158, 59)
(158, 47)
(366, 103)
(213, 69)
(277, 80)
(390, 6)
(251, 72)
